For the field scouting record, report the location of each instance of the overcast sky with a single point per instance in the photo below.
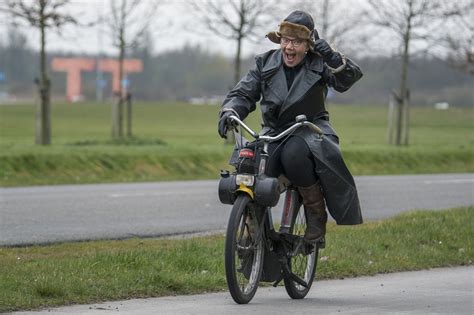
(170, 31)
(175, 27)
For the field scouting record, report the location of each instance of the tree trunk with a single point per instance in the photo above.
(230, 134)
(237, 61)
(403, 104)
(391, 108)
(117, 110)
(43, 125)
(406, 119)
(128, 99)
(120, 108)
(325, 19)
(115, 121)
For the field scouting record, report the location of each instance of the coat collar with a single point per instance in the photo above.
(275, 63)
(274, 75)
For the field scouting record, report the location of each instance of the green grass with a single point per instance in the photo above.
(179, 141)
(87, 272)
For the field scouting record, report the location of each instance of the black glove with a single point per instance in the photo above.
(223, 125)
(315, 35)
(331, 57)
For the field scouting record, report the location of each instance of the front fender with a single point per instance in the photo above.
(246, 190)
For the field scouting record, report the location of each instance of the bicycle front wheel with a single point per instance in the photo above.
(302, 262)
(243, 251)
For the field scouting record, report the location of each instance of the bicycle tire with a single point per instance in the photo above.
(244, 250)
(303, 266)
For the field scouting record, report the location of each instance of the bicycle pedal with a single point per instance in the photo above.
(319, 244)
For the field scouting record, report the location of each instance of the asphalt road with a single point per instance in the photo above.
(436, 291)
(45, 214)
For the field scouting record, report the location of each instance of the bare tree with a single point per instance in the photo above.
(128, 22)
(458, 37)
(42, 15)
(235, 20)
(411, 21)
(333, 23)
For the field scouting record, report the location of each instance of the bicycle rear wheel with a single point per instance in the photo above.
(303, 262)
(243, 251)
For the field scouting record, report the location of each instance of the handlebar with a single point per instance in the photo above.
(300, 121)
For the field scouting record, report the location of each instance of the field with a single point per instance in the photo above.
(179, 141)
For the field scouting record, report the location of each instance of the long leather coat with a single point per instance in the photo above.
(267, 83)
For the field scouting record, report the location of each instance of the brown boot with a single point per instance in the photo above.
(315, 208)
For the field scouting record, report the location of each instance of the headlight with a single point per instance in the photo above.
(247, 180)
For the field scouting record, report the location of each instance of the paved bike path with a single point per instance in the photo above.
(441, 290)
(48, 214)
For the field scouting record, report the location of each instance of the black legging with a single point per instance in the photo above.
(294, 159)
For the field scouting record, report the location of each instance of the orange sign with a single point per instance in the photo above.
(74, 66)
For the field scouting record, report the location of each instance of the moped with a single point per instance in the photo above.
(256, 249)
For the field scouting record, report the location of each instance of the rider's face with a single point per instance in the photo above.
(293, 49)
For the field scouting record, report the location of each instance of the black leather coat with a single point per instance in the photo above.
(266, 83)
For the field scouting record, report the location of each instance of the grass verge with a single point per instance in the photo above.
(179, 141)
(44, 276)
(110, 164)
(166, 162)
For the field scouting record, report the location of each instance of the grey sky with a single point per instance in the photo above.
(168, 32)
(175, 27)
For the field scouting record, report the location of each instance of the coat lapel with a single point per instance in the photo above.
(274, 76)
(304, 80)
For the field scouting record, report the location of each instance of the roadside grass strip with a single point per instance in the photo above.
(157, 163)
(89, 272)
(176, 141)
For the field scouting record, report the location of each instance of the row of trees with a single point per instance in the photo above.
(192, 71)
(425, 21)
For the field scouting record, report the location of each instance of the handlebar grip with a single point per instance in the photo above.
(316, 129)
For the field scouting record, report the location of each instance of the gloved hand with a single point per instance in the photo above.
(331, 57)
(223, 125)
